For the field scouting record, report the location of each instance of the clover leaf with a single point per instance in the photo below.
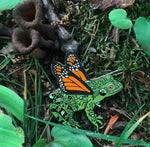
(118, 18)
(142, 32)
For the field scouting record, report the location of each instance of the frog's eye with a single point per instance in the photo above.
(110, 87)
(102, 92)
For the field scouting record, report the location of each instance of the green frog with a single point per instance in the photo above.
(77, 92)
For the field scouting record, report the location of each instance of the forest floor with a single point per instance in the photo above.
(102, 49)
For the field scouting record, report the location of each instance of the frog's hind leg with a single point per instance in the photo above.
(90, 114)
(64, 114)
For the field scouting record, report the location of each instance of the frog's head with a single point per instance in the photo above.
(107, 86)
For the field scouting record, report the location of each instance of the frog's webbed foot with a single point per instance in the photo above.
(63, 115)
(95, 120)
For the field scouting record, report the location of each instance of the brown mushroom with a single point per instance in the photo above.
(47, 36)
(38, 53)
(25, 41)
(28, 13)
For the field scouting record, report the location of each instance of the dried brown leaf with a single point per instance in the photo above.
(110, 3)
(139, 75)
(112, 120)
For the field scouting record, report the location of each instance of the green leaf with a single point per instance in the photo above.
(9, 135)
(9, 4)
(12, 102)
(40, 143)
(142, 32)
(92, 134)
(134, 126)
(118, 18)
(123, 135)
(57, 132)
(64, 138)
(55, 144)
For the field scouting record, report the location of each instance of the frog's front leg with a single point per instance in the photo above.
(90, 114)
(64, 114)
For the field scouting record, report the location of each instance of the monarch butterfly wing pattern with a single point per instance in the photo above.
(60, 72)
(73, 64)
(69, 82)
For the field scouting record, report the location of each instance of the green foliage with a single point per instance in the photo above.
(9, 135)
(142, 27)
(128, 58)
(118, 18)
(91, 134)
(64, 138)
(12, 102)
(130, 128)
(7, 4)
(142, 32)
(6, 61)
(40, 142)
(38, 100)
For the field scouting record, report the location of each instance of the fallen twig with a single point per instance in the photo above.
(68, 44)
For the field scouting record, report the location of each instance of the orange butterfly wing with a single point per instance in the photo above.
(71, 77)
(75, 67)
(72, 83)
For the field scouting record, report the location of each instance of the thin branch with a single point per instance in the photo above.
(106, 74)
(68, 44)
